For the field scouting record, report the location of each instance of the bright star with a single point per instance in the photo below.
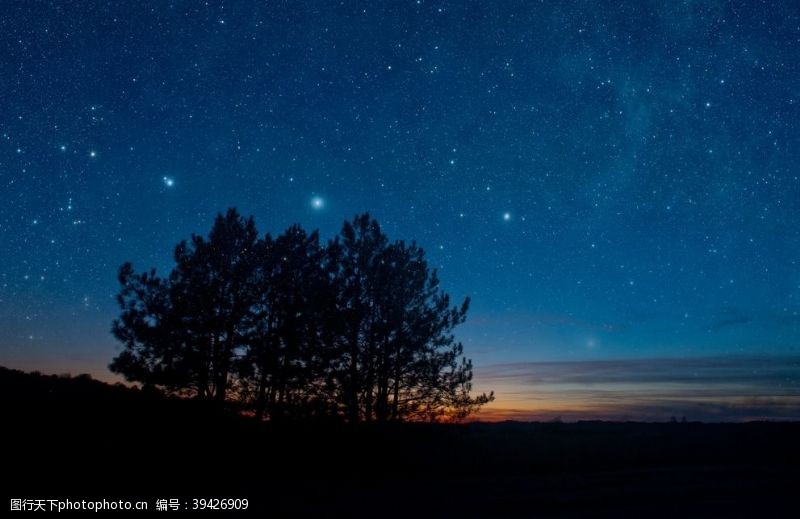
(169, 181)
(317, 202)
(506, 216)
(92, 153)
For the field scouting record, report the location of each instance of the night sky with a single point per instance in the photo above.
(615, 187)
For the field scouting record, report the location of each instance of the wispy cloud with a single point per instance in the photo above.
(730, 317)
(707, 370)
(704, 388)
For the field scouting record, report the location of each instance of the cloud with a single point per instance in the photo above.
(705, 388)
(739, 411)
(705, 370)
(729, 317)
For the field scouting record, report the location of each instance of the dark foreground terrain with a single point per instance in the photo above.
(81, 439)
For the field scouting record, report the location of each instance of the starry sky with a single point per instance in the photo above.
(615, 186)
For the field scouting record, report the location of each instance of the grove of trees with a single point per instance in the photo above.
(356, 329)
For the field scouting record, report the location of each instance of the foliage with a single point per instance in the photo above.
(358, 329)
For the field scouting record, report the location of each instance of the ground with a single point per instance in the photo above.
(80, 439)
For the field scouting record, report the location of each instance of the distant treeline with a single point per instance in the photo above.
(357, 329)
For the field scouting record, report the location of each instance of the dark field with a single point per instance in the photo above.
(81, 439)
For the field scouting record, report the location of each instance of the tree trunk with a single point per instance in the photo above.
(261, 400)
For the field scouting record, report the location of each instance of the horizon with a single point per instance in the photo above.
(490, 416)
(740, 408)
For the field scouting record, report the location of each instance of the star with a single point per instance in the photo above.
(506, 216)
(317, 203)
(169, 181)
(93, 154)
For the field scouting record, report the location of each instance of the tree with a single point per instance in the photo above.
(142, 328)
(397, 355)
(356, 254)
(284, 350)
(184, 333)
(422, 373)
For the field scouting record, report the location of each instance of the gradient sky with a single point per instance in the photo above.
(616, 187)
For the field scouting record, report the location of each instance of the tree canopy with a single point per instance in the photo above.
(357, 329)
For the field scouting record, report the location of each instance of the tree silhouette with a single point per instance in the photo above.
(397, 355)
(359, 329)
(356, 255)
(184, 333)
(283, 361)
(143, 327)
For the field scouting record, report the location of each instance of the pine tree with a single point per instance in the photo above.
(397, 355)
(283, 357)
(184, 333)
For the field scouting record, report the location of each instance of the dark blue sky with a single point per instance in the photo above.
(609, 183)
